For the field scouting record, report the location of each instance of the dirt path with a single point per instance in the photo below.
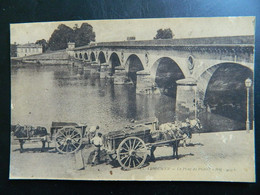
(222, 156)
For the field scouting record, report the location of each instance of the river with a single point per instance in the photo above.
(40, 95)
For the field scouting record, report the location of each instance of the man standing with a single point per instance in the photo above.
(98, 143)
(92, 132)
(84, 152)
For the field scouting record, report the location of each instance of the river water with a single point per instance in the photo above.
(44, 94)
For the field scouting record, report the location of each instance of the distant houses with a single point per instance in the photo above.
(25, 49)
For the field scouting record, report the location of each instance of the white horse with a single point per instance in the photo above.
(168, 131)
(188, 127)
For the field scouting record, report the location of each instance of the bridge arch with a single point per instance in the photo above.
(80, 56)
(221, 91)
(76, 55)
(133, 65)
(165, 72)
(114, 61)
(101, 57)
(85, 56)
(92, 57)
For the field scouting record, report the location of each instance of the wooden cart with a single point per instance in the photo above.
(68, 137)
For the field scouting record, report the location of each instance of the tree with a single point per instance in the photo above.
(13, 50)
(44, 44)
(60, 37)
(164, 34)
(64, 34)
(84, 35)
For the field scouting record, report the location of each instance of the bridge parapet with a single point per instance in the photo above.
(204, 41)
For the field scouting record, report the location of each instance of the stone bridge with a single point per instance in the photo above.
(195, 71)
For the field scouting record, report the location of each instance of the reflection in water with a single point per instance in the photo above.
(59, 93)
(41, 95)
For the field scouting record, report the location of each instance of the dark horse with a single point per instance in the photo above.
(23, 133)
(174, 131)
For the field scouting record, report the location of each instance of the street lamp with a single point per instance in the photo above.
(248, 83)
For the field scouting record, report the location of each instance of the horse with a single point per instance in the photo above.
(189, 127)
(176, 130)
(167, 131)
(24, 133)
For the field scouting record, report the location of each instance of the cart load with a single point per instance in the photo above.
(113, 139)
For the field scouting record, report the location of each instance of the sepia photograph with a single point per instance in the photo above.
(169, 99)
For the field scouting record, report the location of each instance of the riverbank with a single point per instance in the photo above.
(222, 156)
(48, 58)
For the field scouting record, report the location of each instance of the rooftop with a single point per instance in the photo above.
(29, 45)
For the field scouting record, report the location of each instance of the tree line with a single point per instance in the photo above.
(59, 39)
(82, 35)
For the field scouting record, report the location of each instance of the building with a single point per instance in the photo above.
(71, 46)
(28, 49)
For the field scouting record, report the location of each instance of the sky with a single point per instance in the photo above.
(142, 29)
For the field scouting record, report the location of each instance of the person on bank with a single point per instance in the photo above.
(97, 143)
(92, 132)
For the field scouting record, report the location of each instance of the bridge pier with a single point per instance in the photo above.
(87, 66)
(145, 84)
(104, 70)
(94, 67)
(87, 62)
(120, 76)
(94, 63)
(78, 64)
(186, 99)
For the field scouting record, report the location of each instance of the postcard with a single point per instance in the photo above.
(134, 99)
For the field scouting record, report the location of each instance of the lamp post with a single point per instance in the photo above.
(248, 83)
(195, 103)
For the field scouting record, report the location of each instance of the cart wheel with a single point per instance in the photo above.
(68, 140)
(131, 153)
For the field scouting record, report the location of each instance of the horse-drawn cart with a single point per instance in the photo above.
(131, 146)
(68, 137)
